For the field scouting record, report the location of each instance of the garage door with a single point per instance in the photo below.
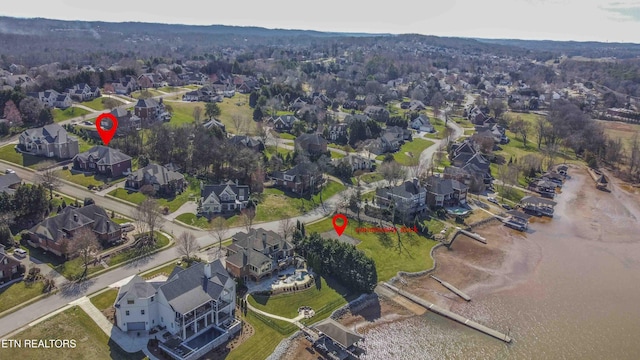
(135, 326)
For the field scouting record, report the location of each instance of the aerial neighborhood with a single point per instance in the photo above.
(235, 158)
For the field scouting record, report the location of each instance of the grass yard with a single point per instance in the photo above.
(237, 106)
(619, 130)
(96, 104)
(147, 93)
(414, 254)
(161, 241)
(284, 135)
(74, 323)
(183, 112)
(74, 268)
(371, 177)
(317, 297)
(105, 299)
(9, 153)
(262, 343)
(414, 148)
(194, 220)
(462, 122)
(82, 179)
(277, 205)
(136, 197)
(68, 113)
(18, 293)
(271, 150)
(346, 148)
(336, 155)
(165, 270)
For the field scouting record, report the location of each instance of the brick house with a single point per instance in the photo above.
(10, 268)
(54, 234)
(103, 160)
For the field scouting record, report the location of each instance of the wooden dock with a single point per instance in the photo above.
(448, 314)
(452, 288)
(474, 236)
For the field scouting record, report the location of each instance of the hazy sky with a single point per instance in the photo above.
(581, 20)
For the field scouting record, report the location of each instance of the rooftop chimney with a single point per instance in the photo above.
(75, 217)
(207, 270)
(264, 236)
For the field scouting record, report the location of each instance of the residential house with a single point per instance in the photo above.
(150, 111)
(49, 141)
(356, 117)
(474, 180)
(127, 121)
(377, 113)
(47, 98)
(214, 123)
(302, 179)
(9, 183)
(125, 85)
(399, 133)
(223, 198)
(390, 141)
(205, 94)
(422, 123)
(257, 254)
(55, 233)
(445, 192)
(312, 144)
(83, 92)
(62, 101)
(253, 143)
(408, 199)
(103, 160)
(150, 80)
(337, 131)
(164, 181)
(194, 307)
(10, 268)
(357, 162)
(284, 122)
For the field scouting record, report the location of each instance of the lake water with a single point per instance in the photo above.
(581, 301)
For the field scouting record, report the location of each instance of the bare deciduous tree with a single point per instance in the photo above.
(85, 245)
(219, 229)
(48, 178)
(197, 113)
(392, 172)
(187, 244)
(149, 218)
(247, 215)
(286, 228)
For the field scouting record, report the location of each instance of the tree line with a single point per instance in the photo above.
(340, 260)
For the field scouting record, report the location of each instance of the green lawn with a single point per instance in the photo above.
(462, 121)
(371, 177)
(73, 269)
(336, 155)
(264, 340)
(82, 178)
(194, 220)
(346, 148)
(237, 106)
(323, 296)
(276, 205)
(165, 270)
(147, 92)
(183, 112)
(18, 293)
(136, 197)
(8, 153)
(123, 256)
(95, 104)
(68, 113)
(74, 323)
(413, 255)
(286, 136)
(105, 299)
(415, 148)
(271, 150)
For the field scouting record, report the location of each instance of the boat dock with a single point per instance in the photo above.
(474, 236)
(452, 288)
(448, 314)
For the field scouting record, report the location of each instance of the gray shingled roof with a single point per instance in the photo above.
(72, 218)
(187, 289)
(338, 333)
(106, 155)
(52, 133)
(156, 174)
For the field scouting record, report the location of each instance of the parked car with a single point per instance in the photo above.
(9, 171)
(507, 206)
(126, 227)
(21, 253)
(493, 200)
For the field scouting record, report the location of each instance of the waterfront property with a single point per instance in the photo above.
(194, 309)
(537, 206)
(517, 220)
(337, 341)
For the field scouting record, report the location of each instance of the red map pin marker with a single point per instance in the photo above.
(106, 134)
(340, 228)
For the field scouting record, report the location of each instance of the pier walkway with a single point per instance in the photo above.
(453, 316)
(452, 288)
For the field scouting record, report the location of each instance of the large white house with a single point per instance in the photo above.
(195, 305)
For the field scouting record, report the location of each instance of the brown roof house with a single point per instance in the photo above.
(257, 254)
(150, 111)
(49, 141)
(103, 160)
(164, 181)
(302, 179)
(54, 233)
(10, 268)
(312, 144)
